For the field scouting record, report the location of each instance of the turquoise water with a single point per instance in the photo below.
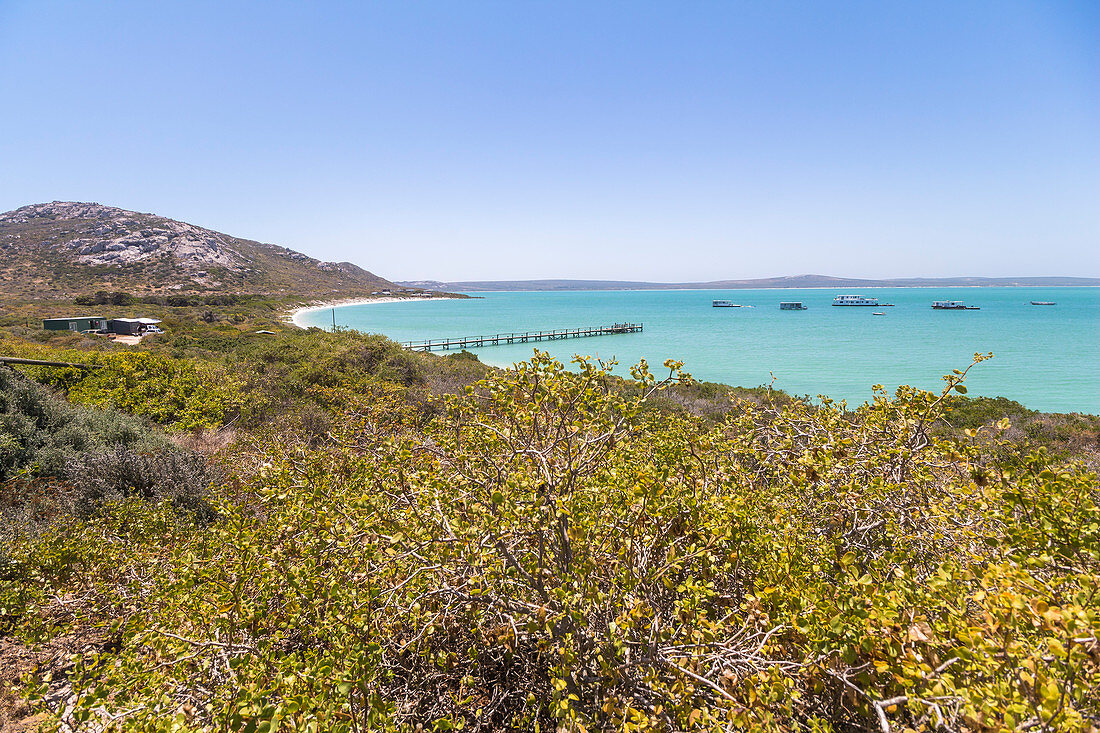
(1045, 356)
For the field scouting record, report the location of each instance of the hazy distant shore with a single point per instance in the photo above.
(773, 283)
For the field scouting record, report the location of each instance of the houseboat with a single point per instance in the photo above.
(724, 304)
(859, 300)
(791, 306)
(953, 305)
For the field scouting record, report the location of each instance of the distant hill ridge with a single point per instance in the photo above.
(65, 248)
(795, 281)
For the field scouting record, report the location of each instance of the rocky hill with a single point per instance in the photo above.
(65, 248)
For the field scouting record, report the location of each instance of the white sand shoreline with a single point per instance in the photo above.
(297, 313)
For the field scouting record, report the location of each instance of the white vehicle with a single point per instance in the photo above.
(153, 329)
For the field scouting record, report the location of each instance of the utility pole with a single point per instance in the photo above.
(334, 320)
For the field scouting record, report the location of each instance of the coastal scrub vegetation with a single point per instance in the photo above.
(395, 541)
(58, 459)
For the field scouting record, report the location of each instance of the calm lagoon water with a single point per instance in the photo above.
(1045, 356)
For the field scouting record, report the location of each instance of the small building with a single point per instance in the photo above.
(130, 326)
(124, 326)
(77, 323)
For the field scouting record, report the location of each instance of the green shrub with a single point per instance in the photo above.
(179, 394)
(41, 433)
(183, 394)
(180, 478)
(105, 298)
(973, 412)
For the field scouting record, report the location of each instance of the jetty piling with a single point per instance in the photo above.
(516, 337)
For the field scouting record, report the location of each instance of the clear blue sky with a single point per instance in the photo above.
(673, 141)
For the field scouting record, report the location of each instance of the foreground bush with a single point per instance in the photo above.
(177, 393)
(550, 554)
(41, 433)
(60, 464)
(179, 478)
(183, 395)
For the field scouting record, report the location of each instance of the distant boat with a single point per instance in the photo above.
(878, 313)
(859, 300)
(791, 306)
(1043, 302)
(953, 305)
(725, 304)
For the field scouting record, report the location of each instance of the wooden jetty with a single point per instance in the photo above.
(496, 339)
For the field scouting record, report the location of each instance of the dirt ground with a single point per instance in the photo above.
(15, 714)
(118, 339)
(54, 656)
(128, 340)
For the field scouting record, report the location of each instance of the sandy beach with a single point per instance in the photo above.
(296, 314)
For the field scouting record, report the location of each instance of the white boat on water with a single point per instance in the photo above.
(953, 305)
(1043, 302)
(792, 306)
(859, 300)
(725, 304)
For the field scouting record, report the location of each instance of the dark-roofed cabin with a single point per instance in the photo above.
(79, 323)
(131, 326)
(126, 326)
